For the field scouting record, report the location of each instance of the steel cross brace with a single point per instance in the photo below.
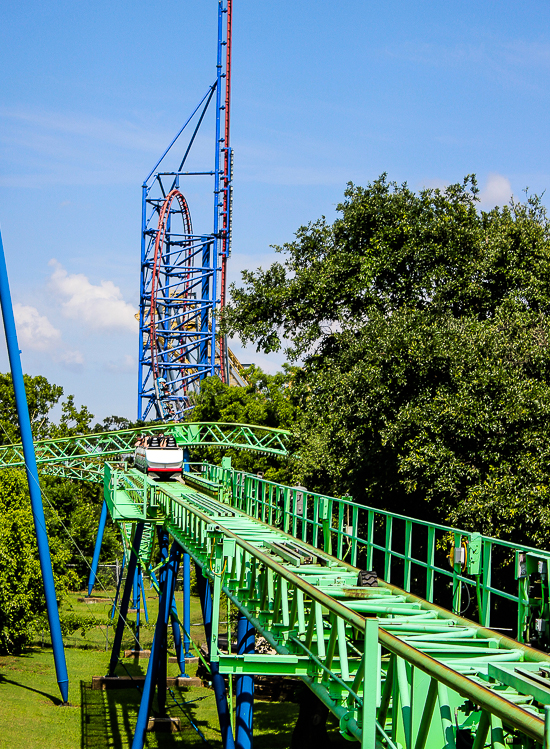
(83, 456)
(308, 607)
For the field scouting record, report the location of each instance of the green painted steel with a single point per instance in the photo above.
(396, 670)
(443, 564)
(82, 457)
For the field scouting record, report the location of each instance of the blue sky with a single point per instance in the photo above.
(323, 93)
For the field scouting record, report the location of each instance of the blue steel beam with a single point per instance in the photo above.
(157, 660)
(186, 604)
(32, 478)
(244, 689)
(97, 547)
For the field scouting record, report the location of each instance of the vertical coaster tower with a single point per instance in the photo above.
(183, 271)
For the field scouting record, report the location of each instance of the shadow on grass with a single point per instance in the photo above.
(273, 724)
(51, 697)
(108, 720)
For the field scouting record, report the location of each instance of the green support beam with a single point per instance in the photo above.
(82, 457)
(394, 669)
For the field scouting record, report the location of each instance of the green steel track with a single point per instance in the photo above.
(82, 457)
(396, 670)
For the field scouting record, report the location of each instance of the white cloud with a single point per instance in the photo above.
(71, 358)
(99, 307)
(120, 133)
(126, 364)
(36, 333)
(497, 191)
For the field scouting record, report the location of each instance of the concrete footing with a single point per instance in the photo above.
(127, 682)
(137, 653)
(164, 725)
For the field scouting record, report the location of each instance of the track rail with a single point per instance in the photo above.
(381, 659)
(83, 456)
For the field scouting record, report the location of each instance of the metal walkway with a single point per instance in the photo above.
(394, 669)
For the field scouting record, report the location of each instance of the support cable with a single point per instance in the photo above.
(79, 550)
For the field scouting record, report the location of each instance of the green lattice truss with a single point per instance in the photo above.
(396, 670)
(82, 457)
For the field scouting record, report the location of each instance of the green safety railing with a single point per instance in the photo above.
(82, 456)
(322, 625)
(503, 584)
(134, 486)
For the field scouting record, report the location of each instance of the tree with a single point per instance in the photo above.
(42, 396)
(117, 423)
(72, 510)
(267, 401)
(22, 602)
(423, 327)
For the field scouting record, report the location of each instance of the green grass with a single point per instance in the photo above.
(31, 715)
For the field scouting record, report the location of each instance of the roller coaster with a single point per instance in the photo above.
(391, 655)
(395, 666)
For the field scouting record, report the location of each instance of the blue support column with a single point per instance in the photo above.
(135, 590)
(32, 478)
(145, 612)
(137, 601)
(155, 669)
(132, 563)
(176, 631)
(97, 547)
(186, 605)
(218, 682)
(162, 537)
(162, 672)
(244, 689)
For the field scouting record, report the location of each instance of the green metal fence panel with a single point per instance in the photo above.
(417, 555)
(396, 671)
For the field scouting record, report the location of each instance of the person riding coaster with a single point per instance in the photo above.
(158, 455)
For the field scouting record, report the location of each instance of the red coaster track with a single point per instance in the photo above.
(157, 264)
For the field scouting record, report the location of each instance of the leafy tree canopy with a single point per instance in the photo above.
(423, 328)
(42, 396)
(22, 603)
(266, 401)
(71, 508)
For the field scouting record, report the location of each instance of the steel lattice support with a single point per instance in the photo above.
(183, 272)
(392, 668)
